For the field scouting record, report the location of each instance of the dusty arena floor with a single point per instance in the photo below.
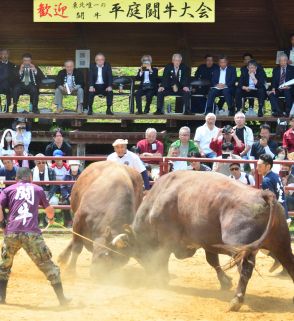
(193, 293)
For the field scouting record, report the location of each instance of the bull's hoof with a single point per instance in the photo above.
(235, 305)
(275, 266)
(226, 283)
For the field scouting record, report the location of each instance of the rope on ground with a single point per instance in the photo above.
(89, 240)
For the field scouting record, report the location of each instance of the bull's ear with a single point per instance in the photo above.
(128, 229)
(107, 233)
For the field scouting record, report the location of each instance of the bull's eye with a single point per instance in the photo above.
(106, 253)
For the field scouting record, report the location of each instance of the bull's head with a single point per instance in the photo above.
(109, 252)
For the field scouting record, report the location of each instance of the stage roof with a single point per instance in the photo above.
(258, 26)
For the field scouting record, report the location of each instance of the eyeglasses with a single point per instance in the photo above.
(39, 163)
(234, 169)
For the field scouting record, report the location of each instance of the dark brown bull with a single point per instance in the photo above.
(104, 198)
(188, 210)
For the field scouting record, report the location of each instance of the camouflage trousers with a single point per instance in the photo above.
(35, 247)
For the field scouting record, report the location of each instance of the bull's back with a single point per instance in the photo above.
(100, 180)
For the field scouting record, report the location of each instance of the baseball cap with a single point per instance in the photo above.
(74, 162)
(19, 143)
(120, 142)
(58, 152)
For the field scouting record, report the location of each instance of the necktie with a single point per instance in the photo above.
(26, 76)
(283, 76)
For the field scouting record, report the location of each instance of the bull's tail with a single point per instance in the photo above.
(65, 254)
(241, 252)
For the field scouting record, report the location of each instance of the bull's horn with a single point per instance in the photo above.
(121, 241)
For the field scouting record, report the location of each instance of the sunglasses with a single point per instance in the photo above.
(234, 169)
(39, 163)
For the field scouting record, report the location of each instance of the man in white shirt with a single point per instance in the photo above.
(244, 133)
(204, 135)
(240, 176)
(123, 156)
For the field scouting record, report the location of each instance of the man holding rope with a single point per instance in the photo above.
(21, 231)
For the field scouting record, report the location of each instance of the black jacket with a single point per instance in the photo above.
(205, 73)
(182, 79)
(153, 77)
(7, 74)
(244, 78)
(65, 147)
(78, 78)
(106, 74)
(277, 75)
(35, 79)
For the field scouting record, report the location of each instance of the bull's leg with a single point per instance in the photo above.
(156, 265)
(224, 279)
(245, 270)
(77, 247)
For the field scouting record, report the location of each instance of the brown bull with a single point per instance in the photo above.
(103, 199)
(188, 210)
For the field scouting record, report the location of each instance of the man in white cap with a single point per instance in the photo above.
(123, 156)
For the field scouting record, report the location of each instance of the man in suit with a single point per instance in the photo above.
(203, 73)
(287, 52)
(7, 75)
(223, 83)
(100, 83)
(175, 82)
(281, 74)
(148, 77)
(28, 80)
(70, 81)
(251, 84)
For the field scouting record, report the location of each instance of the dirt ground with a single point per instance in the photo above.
(193, 293)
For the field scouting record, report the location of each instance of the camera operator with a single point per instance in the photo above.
(226, 135)
(22, 134)
(148, 77)
(227, 153)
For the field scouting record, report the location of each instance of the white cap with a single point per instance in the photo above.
(120, 142)
(74, 162)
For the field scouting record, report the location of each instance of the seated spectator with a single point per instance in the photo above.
(41, 172)
(184, 143)
(288, 137)
(9, 170)
(6, 145)
(123, 156)
(151, 147)
(174, 151)
(265, 145)
(69, 81)
(72, 175)
(22, 134)
(251, 84)
(281, 154)
(288, 180)
(65, 190)
(226, 135)
(281, 74)
(204, 75)
(175, 82)
(240, 176)
(19, 151)
(223, 84)
(149, 171)
(244, 133)
(60, 167)
(7, 75)
(58, 143)
(204, 135)
(148, 77)
(227, 153)
(197, 166)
